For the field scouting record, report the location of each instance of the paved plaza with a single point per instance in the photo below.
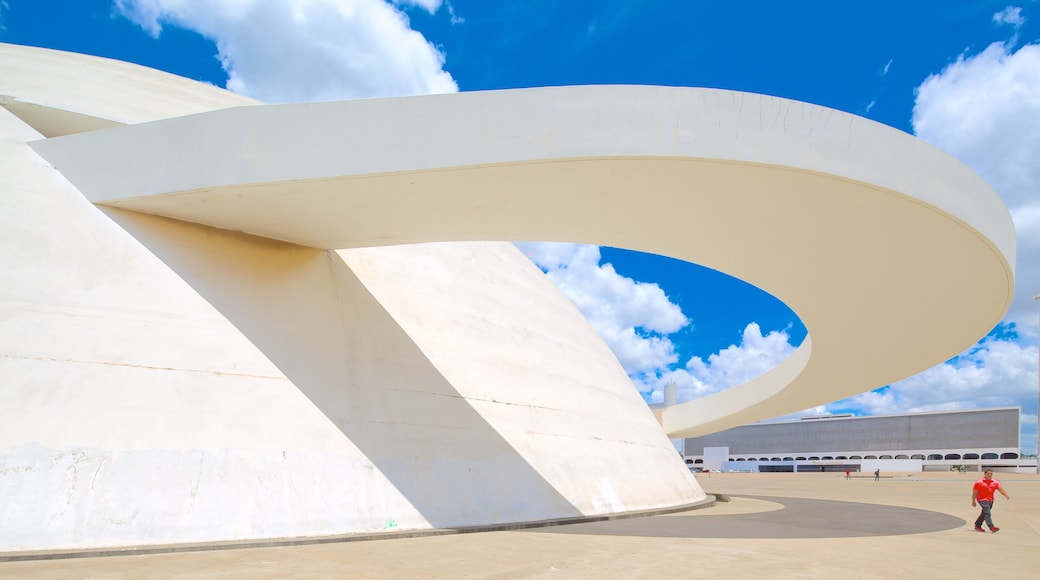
(781, 525)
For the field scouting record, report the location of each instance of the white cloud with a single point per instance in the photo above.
(430, 6)
(307, 50)
(754, 356)
(1011, 15)
(634, 318)
(985, 110)
(455, 18)
(688, 387)
(996, 373)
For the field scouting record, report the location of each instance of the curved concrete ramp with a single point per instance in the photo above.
(895, 255)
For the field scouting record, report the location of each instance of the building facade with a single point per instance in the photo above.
(937, 440)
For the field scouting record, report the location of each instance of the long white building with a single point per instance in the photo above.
(937, 440)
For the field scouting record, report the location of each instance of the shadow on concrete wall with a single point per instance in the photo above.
(311, 316)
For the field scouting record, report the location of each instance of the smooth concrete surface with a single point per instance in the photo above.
(228, 321)
(61, 93)
(858, 227)
(907, 525)
(167, 382)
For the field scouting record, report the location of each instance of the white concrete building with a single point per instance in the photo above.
(941, 440)
(222, 321)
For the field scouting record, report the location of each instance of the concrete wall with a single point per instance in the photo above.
(714, 457)
(166, 382)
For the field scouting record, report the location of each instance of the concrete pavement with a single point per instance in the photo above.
(805, 525)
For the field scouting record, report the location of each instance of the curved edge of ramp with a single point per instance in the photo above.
(895, 255)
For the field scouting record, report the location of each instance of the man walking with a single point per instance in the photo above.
(982, 492)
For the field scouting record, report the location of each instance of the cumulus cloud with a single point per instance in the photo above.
(430, 6)
(985, 110)
(1011, 15)
(307, 50)
(738, 363)
(996, 373)
(634, 318)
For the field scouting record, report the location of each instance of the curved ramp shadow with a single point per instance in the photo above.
(800, 518)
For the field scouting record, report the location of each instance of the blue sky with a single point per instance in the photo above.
(964, 76)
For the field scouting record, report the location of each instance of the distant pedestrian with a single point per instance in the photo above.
(982, 492)
(877, 474)
(847, 474)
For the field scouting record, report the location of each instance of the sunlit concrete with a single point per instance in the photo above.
(203, 323)
(894, 255)
(168, 382)
(58, 93)
(782, 525)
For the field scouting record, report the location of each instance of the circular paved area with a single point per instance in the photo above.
(795, 518)
(784, 525)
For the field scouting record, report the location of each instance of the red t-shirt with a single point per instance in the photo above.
(984, 489)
